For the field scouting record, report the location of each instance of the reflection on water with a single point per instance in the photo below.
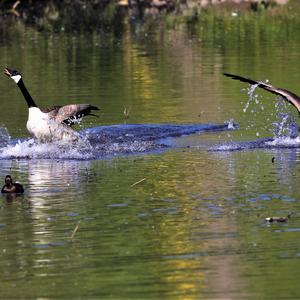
(176, 234)
(184, 223)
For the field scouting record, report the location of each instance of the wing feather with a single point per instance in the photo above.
(69, 114)
(287, 95)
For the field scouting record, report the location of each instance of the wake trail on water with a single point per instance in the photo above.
(264, 143)
(104, 141)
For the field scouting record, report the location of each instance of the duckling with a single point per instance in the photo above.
(12, 187)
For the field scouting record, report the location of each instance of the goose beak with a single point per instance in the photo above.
(8, 72)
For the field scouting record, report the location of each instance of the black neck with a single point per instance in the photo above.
(26, 94)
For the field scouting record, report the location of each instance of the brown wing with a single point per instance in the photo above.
(51, 110)
(287, 95)
(69, 114)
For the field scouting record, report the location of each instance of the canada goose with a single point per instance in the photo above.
(287, 95)
(12, 187)
(52, 123)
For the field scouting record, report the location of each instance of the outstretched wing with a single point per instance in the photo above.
(287, 95)
(69, 114)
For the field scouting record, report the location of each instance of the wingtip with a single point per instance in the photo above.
(92, 107)
(229, 75)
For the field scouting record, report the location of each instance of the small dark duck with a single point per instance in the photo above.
(278, 219)
(12, 187)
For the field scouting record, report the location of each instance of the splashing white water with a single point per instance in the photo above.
(104, 141)
(29, 149)
(252, 96)
(231, 124)
(285, 126)
(5, 138)
(284, 142)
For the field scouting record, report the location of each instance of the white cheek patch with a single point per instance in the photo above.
(16, 78)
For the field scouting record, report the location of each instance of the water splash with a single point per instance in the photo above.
(5, 138)
(104, 141)
(30, 149)
(285, 125)
(252, 96)
(231, 124)
(284, 142)
(285, 129)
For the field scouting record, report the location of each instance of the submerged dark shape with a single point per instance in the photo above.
(287, 95)
(52, 123)
(278, 219)
(12, 187)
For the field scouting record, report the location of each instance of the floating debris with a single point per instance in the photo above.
(126, 112)
(75, 230)
(138, 182)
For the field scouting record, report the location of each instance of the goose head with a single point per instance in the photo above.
(13, 74)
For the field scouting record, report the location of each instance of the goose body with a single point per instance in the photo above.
(46, 129)
(53, 123)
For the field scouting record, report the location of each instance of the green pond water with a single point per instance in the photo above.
(183, 223)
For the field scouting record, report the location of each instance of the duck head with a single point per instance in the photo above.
(8, 180)
(13, 74)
